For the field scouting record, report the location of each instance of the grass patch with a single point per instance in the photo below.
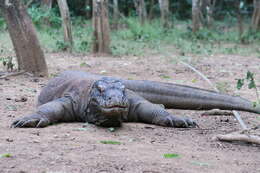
(6, 155)
(110, 142)
(171, 155)
(199, 163)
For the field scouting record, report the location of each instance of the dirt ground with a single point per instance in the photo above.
(76, 147)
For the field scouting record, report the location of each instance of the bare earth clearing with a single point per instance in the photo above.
(71, 148)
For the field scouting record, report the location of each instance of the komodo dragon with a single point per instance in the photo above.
(108, 101)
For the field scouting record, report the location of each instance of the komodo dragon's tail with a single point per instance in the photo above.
(185, 97)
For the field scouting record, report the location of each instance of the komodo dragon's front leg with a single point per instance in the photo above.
(141, 110)
(59, 110)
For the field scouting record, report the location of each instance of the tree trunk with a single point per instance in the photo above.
(256, 16)
(47, 4)
(30, 56)
(210, 5)
(141, 10)
(196, 11)
(165, 13)
(101, 27)
(88, 6)
(150, 14)
(115, 14)
(239, 21)
(66, 24)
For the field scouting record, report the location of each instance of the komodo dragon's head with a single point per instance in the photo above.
(108, 103)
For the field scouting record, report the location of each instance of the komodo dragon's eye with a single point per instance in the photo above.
(101, 86)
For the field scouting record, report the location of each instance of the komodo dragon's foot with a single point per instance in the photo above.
(33, 121)
(180, 122)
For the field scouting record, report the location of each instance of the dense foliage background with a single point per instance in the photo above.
(132, 38)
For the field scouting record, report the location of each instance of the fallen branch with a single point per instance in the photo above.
(236, 114)
(242, 136)
(12, 74)
(217, 112)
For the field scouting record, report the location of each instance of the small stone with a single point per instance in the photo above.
(35, 80)
(36, 141)
(9, 140)
(37, 133)
(21, 99)
(67, 135)
(22, 172)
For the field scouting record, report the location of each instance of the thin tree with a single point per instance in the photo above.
(29, 54)
(46, 4)
(210, 6)
(88, 9)
(239, 21)
(115, 14)
(256, 16)
(151, 8)
(101, 27)
(141, 10)
(165, 13)
(196, 12)
(66, 24)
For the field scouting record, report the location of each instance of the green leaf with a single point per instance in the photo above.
(165, 76)
(251, 84)
(111, 129)
(110, 142)
(81, 129)
(5, 155)
(83, 64)
(171, 155)
(194, 80)
(11, 108)
(240, 83)
(249, 75)
(200, 163)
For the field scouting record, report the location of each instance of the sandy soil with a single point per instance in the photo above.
(76, 147)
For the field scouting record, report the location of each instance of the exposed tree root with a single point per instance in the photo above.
(6, 75)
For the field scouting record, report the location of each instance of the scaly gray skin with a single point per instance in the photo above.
(107, 101)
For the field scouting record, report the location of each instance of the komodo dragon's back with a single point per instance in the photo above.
(109, 101)
(56, 86)
(171, 95)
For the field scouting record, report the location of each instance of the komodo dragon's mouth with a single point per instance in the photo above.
(115, 109)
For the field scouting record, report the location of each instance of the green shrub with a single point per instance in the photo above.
(41, 17)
